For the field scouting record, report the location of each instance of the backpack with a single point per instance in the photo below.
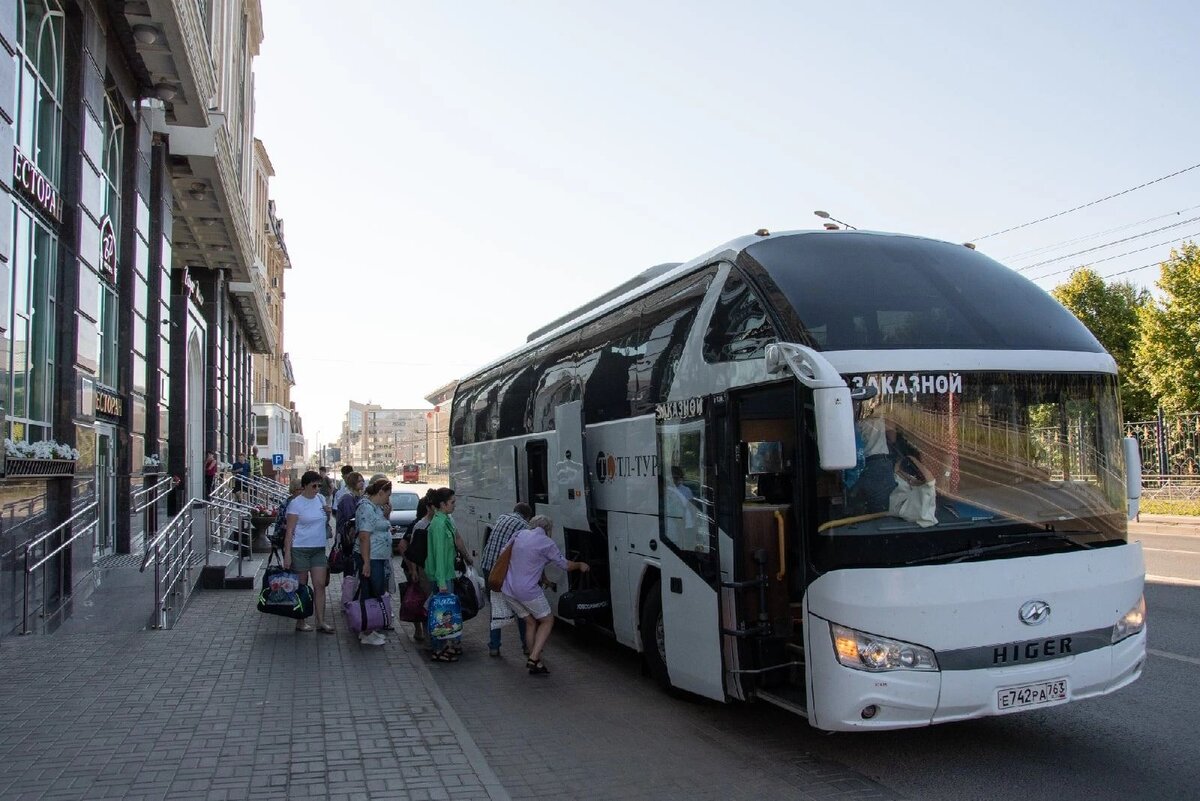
(279, 530)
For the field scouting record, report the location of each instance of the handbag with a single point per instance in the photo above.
(282, 594)
(339, 561)
(468, 601)
(445, 616)
(366, 613)
(499, 571)
(481, 591)
(502, 613)
(412, 603)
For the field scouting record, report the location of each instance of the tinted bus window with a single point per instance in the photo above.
(739, 328)
(849, 291)
(667, 318)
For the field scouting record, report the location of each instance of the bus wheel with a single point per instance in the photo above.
(654, 648)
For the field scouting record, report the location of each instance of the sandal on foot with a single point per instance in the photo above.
(325, 628)
(538, 668)
(443, 656)
(304, 627)
(455, 649)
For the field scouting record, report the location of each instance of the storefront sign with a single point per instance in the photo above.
(29, 179)
(109, 403)
(108, 249)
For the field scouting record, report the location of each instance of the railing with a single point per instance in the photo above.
(265, 492)
(54, 543)
(146, 501)
(172, 550)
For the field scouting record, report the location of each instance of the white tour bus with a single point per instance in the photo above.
(875, 479)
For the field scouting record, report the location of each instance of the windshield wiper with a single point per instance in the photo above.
(958, 556)
(1050, 535)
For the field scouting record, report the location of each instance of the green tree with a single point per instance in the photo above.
(1111, 311)
(1168, 348)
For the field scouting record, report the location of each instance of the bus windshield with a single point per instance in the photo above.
(956, 466)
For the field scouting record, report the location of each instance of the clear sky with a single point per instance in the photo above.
(454, 175)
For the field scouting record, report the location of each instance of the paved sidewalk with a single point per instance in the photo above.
(230, 704)
(233, 704)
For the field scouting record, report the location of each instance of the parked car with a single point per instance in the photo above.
(404, 514)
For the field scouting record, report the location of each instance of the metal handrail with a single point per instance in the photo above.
(154, 493)
(30, 568)
(177, 565)
(171, 550)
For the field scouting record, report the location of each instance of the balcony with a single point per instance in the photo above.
(171, 39)
(250, 306)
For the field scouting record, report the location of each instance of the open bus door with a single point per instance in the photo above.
(688, 632)
(567, 473)
(765, 630)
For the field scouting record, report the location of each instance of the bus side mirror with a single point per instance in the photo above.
(1133, 474)
(832, 406)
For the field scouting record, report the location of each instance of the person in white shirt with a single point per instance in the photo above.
(304, 544)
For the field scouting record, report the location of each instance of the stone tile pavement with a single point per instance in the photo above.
(233, 704)
(230, 704)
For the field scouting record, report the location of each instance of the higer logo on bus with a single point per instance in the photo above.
(610, 467)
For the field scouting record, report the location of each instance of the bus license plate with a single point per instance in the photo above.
(1039, 694)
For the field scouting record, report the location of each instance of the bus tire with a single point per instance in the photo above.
(653, 647)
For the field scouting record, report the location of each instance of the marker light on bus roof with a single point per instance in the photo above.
(862, 651)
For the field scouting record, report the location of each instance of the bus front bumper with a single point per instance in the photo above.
(856, 700)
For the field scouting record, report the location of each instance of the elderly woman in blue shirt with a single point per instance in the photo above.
(373, 546)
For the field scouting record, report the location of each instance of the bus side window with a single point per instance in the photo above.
(666, 322)
(556, 383)
(738, 329)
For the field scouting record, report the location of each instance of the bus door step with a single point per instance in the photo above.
(793, 699)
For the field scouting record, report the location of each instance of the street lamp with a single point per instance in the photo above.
(824, 215)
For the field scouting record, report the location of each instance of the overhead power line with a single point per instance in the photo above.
(1107, 244)
(1086, 205)
(1068, 242)
(1118, 255)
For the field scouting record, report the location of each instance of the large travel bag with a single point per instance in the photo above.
(283, 594)
(365, 613)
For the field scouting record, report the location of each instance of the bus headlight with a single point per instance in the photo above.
(1133, 621)
(862, 651)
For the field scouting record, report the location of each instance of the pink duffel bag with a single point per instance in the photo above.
(368, 614)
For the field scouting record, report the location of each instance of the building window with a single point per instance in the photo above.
(262, 430)
(114, 139)
(39, 84)
(35, 247)
(31, 355)
(113, 131)
(107, 329)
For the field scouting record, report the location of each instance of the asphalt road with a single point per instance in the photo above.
(1139, 743)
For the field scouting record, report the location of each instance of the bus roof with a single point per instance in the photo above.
(649, 280)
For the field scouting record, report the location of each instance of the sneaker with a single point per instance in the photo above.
(375, 638)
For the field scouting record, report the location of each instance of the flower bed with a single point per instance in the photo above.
(43, 459)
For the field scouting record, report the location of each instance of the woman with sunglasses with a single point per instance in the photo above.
(304, 545)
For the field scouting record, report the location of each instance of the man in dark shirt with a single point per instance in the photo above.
(241, 472)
